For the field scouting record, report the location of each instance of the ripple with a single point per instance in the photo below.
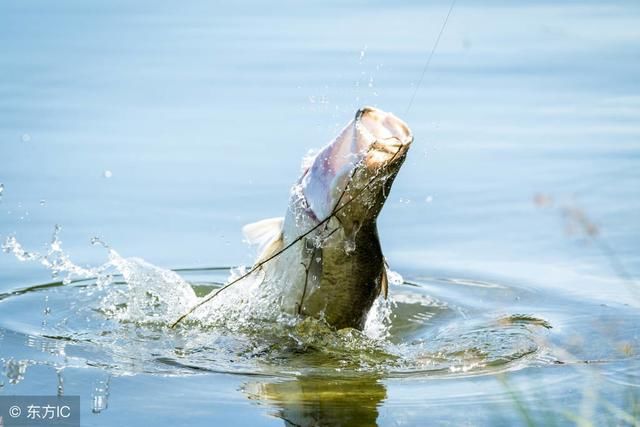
(85, 322)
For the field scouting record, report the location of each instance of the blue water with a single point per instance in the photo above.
(163, 128)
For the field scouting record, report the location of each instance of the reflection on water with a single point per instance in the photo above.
(319, 401)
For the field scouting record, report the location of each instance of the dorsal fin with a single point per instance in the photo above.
(267, 234)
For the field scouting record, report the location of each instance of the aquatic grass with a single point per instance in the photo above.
(594, 405)
(518, 402)
(578, 222)
(577, 419)
(596, 408)
(622, 415)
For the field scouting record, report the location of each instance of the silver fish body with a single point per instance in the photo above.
(336, 271)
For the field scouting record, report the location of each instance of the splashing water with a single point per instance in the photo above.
(152, 294)
(156, 295)
(122, 310)
(55, 259)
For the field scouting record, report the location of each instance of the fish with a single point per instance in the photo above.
(323, 258)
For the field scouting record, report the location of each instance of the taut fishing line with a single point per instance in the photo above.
(428, 62)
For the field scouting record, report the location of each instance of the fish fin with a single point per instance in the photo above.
(384, 282)
(271, 249)
(267, 234)
(263, 232)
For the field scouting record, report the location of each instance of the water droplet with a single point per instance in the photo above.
(15, 370)
(97, 241)
(60, 387)
(108, 174)
(394, 277)
(1, 190)
(43, 202)
(429, 199)
(363, 52)
(100, 396)
(25, 137)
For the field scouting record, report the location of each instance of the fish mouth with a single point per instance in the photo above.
(387, 136)
(371, 146)
(391, 146)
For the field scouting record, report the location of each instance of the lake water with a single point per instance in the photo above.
(162, 128)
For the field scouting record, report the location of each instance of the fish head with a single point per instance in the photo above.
(352, 176)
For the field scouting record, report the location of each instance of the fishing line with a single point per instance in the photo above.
(433, 50)
(338, 207)
(334, 212)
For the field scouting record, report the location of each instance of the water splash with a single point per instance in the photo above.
(378, 321)
(363, 52)
(15, 370)
(152, 294)
(11, 245)
(55, 259)
(100, 396)
(121, 310)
